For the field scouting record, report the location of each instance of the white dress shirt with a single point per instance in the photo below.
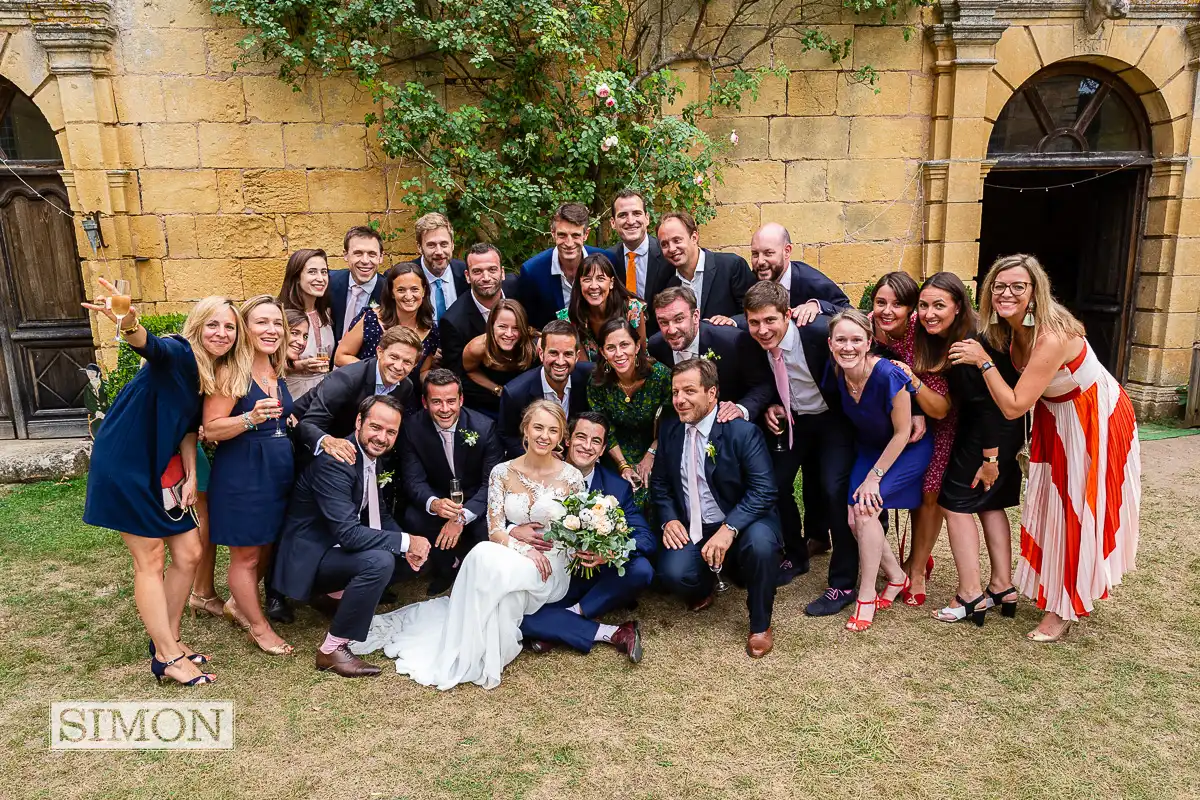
(641, 262)
(446, 279)
(710, 511)
(785, 278)
(468, 516)
(806, 395)
(484, 310)
(696, 284)
(556, 269)
(548, 393)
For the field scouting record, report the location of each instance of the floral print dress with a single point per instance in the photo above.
(632, 420)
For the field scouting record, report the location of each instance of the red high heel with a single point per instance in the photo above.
(928, 568)
(914, 599)
(859, 625)
(882, 602)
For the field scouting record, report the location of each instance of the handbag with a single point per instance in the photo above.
(173, 478)
(1023, 453)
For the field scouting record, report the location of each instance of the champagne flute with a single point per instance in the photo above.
(119, 303)
(780, 447)
(272, 390)
(456, 495)
(722, 586)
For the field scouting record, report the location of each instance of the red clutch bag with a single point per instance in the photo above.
(172, 490)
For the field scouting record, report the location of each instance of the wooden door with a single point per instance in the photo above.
(45, 337)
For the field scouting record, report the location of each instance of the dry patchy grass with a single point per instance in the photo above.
(912, 708)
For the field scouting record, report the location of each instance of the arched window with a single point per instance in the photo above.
(25, 136)
(1070, 110)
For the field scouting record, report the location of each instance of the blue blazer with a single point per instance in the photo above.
(323, 511)
(518, 393)
(609, 482)
(339, 286)
(741, 476)
(539, 290)
(809, 283)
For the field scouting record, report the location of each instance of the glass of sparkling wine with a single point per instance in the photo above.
(273, 392)
(722, 586)
(456, 491)
(119, 303)
(322, 353)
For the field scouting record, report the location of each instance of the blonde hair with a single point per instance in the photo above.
(215, 374)
(278, 359)
(430, 223)
(855, 316)
(1049, 316)
(554, 410)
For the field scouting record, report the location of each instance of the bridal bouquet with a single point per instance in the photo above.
(591, 522)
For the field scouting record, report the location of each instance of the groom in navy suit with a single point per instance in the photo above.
(714, 491)
(571, 621)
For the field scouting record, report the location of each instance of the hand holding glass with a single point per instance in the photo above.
(119, 302)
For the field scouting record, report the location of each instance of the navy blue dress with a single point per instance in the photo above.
(872, 420)
(141, 432)
(251, 479)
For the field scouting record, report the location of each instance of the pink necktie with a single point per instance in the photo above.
(372, 496)
(695, 514)
(448, 447)
(781, 383)
(356, 295)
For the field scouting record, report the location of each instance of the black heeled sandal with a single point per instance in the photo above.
(1007, 609)
(975, 609)
(195, 658)
(159, 669)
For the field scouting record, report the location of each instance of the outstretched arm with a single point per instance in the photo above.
(1049, 354)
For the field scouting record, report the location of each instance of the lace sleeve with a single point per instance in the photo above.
(495, 506)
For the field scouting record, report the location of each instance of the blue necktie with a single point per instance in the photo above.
(439, 299)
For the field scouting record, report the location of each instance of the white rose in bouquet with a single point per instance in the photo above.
(571, 522)
(603, 526)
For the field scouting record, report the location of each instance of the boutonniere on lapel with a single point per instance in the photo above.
(373, 306)
(710, 450)
(710, 356)
(470, 437)
(383, 479)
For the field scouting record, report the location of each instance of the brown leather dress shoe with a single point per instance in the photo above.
(700, 605)
(759, 644)
(816, 547)
(345, 663)
(628, 639)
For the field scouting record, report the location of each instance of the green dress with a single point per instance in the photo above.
(632, 423)
(587, 343)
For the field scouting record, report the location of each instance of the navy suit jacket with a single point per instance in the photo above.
(809, 283)
(462, 323)
(426, 474)
(609, 482)
(727, 278)
(324, 510)
(814, 339)
(332, 406)
(658, 271)
(740, 369)
(523, 390)
(339, 287)
(741, 476)
(540, 290)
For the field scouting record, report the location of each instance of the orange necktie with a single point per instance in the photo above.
(631, 273)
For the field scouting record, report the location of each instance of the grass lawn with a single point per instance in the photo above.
(911, 709)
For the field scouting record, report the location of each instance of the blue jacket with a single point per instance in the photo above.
(339, 285)
(521, 391)
(741, 476)
(809, 283)
(539, 290)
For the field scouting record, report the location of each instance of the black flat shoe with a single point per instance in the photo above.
(280, 610)
(439, 584)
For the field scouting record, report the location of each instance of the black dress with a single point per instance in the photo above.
(981, 425)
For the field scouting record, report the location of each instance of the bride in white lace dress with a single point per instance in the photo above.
(471, 635)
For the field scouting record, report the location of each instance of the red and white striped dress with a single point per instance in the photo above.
(1079, 525)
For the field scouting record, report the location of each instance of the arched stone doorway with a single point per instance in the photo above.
(45, 337)
(1070, 160)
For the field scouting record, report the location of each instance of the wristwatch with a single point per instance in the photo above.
(985, 366)
(732, 530)
(991, 459)
(877, 472)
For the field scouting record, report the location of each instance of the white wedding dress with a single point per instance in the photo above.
(470, 636)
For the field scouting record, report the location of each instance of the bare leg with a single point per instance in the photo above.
(185, 552)
(964, 545)
(1051, 625)
(873, 552)
(997, 535)
(204, 585)
(149, 595)
(244, 565)
(927, 524)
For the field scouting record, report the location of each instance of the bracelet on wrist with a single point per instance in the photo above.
(130, 331)
(651, 451)
(246, 421)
